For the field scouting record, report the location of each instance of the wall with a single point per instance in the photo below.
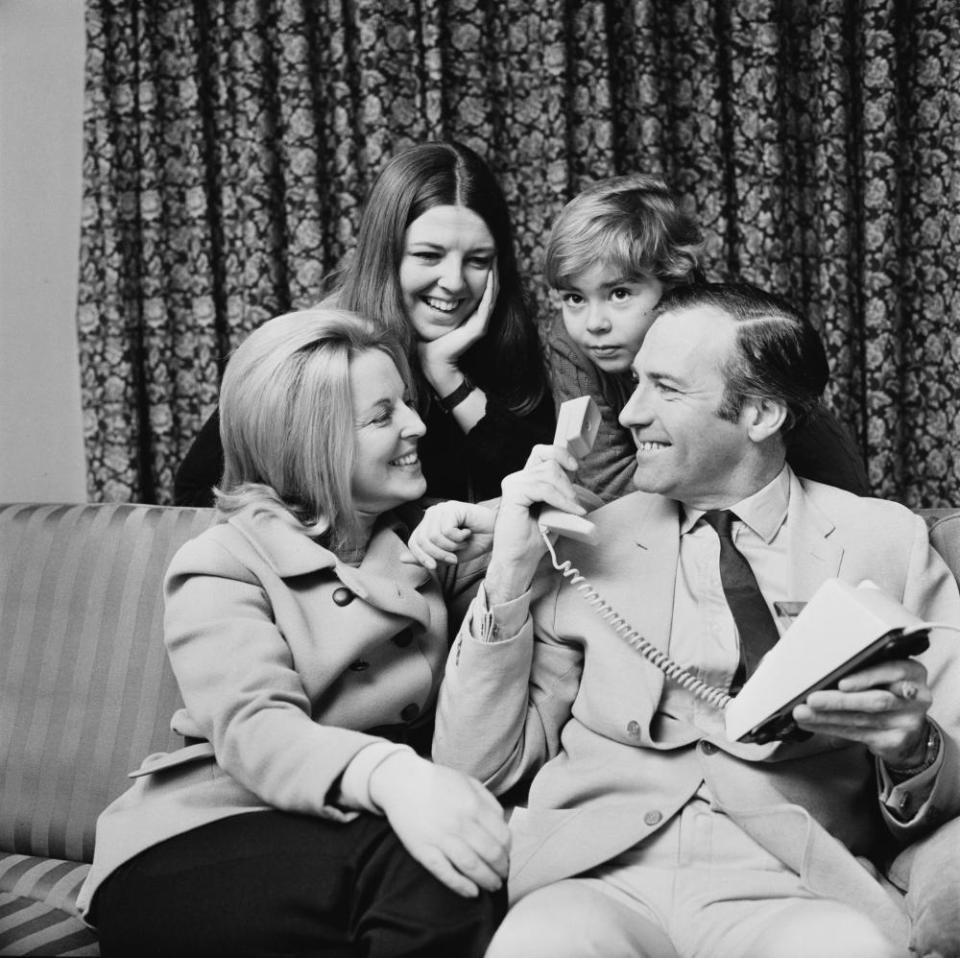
(41, 112)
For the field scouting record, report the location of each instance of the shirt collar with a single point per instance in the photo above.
(764, 512)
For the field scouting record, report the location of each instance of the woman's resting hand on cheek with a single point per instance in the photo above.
(440, 358)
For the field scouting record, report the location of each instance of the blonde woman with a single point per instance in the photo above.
(300, 817)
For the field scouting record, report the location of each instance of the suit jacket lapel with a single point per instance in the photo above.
(646, 599)
(657, 538)
(815, 549)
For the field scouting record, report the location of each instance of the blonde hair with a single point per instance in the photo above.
(633, 223)
(286, 419)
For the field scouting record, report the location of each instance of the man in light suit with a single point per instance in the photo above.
(646, 831)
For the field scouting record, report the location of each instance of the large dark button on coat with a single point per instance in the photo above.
(652, 818)
(410, 712)
(402, 639)
(359, 666)
(708, 748)
(343, 596)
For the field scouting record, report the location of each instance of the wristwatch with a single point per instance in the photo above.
(929, 756)
(450, 402)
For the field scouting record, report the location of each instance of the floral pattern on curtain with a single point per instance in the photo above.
(229, 145)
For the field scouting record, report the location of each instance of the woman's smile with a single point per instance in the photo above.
(442, 305)
(406, 460)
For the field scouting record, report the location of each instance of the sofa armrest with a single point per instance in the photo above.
(930, 870)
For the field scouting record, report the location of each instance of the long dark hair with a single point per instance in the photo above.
(507, 361)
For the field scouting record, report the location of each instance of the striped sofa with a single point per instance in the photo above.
(86, 693)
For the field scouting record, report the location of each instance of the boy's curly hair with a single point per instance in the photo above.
(633, 223)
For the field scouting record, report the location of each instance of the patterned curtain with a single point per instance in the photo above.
(229, 145)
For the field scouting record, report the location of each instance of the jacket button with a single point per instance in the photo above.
(708, 748)
(410, 712)
(652, 818)
(342, 596)
(402, 639)
(359, 666)
(633, 728)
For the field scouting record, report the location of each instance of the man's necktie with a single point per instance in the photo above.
(755, 625)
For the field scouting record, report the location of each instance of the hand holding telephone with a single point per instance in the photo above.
(577, 424)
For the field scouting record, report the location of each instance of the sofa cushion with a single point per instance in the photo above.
(85, 688)
(930, 869)
(38, 914)
(944, 525)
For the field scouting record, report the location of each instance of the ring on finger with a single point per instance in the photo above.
(908, 691)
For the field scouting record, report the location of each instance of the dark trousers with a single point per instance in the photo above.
(271, 883)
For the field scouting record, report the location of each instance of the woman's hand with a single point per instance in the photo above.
(440, 358)
(446, 820)
(517, 542)
(883, 706)
(451, 532)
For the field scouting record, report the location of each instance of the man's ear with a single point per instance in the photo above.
(764, 418)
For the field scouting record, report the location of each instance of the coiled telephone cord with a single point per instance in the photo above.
(718, 698)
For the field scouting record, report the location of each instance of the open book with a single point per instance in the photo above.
(840, 630)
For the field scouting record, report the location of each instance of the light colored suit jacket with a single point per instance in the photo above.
(576, 706)
(287, 660)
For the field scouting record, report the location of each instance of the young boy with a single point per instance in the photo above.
(613, 251)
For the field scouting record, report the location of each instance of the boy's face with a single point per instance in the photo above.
(607, 314)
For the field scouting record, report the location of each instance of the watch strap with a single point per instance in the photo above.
(450, 402)
(929, 756)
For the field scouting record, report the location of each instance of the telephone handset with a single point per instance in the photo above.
(578, 421)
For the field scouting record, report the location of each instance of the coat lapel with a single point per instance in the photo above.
(388, 577)
(284, 547)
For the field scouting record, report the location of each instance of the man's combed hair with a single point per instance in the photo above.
(778, 354)
(287, 419)
(632, 223)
